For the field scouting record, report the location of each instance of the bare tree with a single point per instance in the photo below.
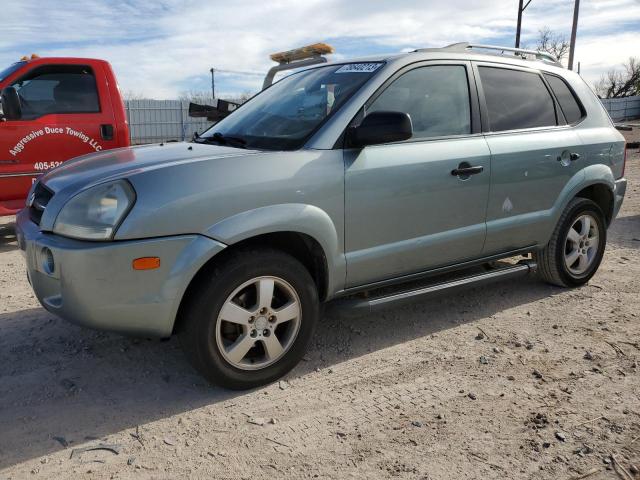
(243, 97)
(197, 96)
(620, 83)
(204, 98)
(133, 95)
(553, 43)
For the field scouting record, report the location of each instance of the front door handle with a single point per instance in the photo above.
(574, 156)
(464, 170)
(106, 131)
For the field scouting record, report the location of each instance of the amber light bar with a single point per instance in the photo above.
(302, 53)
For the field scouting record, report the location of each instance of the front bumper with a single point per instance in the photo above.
(620, 190)
(93, 283)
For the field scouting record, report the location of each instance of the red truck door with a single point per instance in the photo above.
(66, 112)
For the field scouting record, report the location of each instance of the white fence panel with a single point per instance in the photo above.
(153, 121)
(622, 109)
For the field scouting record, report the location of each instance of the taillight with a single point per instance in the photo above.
(624, 160)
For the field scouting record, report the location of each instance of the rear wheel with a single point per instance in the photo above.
(250, 322)
(577, 245)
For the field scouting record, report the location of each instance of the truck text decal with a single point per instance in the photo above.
(19, 147)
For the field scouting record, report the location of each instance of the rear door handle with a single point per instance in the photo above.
(567, 156)
(464, 170)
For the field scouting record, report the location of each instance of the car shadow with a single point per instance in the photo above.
(63, 385)
(8, 240)
(625, 232)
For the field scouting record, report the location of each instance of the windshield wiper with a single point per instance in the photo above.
(230, 140)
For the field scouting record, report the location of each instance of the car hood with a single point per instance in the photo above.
(95, 168)
(183, 188)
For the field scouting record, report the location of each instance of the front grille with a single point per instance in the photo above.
(41, 197)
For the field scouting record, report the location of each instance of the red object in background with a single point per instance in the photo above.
(70, 107)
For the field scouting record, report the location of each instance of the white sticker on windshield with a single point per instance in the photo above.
(359, 68)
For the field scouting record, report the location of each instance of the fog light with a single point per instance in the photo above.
(48, 264)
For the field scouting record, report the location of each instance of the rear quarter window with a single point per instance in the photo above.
(516, 99)
(569, 105)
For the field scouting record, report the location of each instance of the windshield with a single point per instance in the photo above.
(286, 114)
(10, 69)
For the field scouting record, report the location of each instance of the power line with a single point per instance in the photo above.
(232, 72)
(239, 72)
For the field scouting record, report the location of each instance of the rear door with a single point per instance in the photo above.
(405, 211)
(65, 110)
(533, 154)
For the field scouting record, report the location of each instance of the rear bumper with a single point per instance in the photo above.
(93, 283)
(618, 194)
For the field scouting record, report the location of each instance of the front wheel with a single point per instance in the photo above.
(250, 322)
(577, 245)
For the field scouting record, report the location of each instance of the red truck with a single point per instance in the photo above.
(54, 109)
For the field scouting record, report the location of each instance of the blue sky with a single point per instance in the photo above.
(162, 48)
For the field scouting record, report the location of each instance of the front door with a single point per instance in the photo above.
(62, 118)
(415, 205)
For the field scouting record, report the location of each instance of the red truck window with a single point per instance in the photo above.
(58, 89)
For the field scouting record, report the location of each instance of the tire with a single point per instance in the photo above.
(208, 338)
(556, 264)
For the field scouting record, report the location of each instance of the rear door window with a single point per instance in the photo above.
(435, 97)
(566, 98)
(58, 89)
(516, 99)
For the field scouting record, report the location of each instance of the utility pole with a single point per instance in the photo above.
(521, 9)
(574, 29)
(213, 83)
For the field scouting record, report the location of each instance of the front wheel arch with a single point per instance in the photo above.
(201, 334)
(300, 246)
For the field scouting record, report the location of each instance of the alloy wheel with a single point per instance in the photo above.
(581, 244)
(258, 323)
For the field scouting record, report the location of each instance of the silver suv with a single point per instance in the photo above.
(337, 180)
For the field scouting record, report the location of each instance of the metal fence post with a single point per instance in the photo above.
(182, 125)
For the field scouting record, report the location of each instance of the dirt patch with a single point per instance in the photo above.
(518, 380)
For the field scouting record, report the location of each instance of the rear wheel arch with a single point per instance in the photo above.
(555, 258)
(602, 195)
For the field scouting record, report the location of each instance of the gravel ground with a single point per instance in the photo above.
(518, 380)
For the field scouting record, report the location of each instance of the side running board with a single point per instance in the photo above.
(359, 305)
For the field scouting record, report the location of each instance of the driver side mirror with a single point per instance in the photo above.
(11, 104)
(381, 127)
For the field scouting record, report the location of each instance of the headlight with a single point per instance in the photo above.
(96, 213)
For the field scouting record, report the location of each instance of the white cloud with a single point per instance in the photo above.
(157, 47)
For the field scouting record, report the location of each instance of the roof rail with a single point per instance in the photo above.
(521, 52)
